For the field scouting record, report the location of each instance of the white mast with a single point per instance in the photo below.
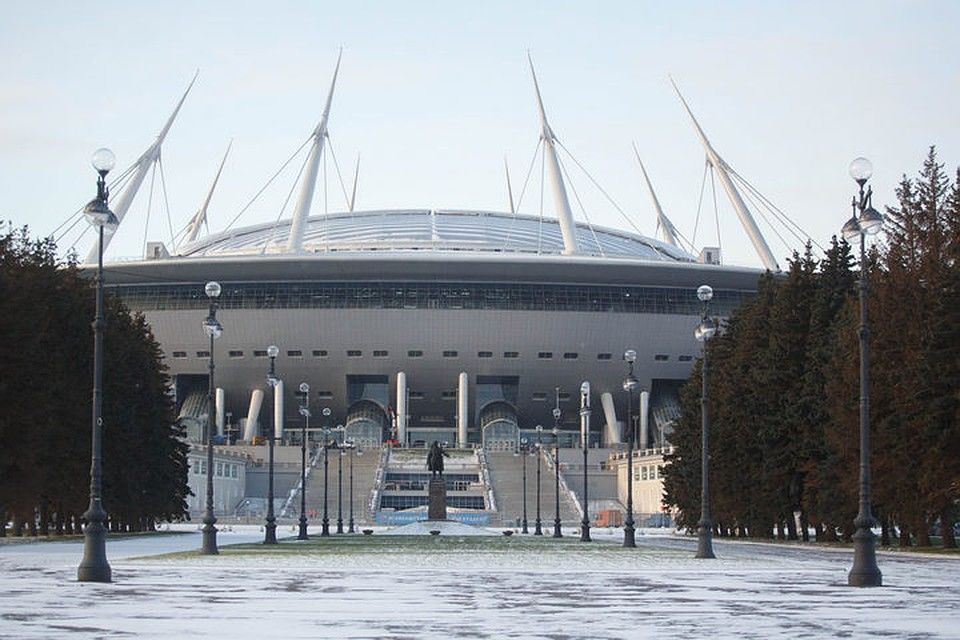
(305, 199)
(743, 213)
(506, 170)
(200, 217)
(564, 215)
(143, 165)
(666, 232)
(353, 192)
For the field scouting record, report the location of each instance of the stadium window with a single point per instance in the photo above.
(294, 353)
(236, 354)
(545, 355)
(380, 353)
(320, 353)
(685, 358)
(450, 354)
(564, 396)
(414, 353)
(354, 353)
(326, 395)
(661, 357)
(539, 397)
(604, 356)
(203, 354)
(448, 395)
(179, 354)
(485, 354)
(511, 354)
(417, 395)
(259, 353)
(570, 355)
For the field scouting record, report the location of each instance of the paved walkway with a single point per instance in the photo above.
(518, 587)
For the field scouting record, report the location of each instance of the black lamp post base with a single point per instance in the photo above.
(350, 527)
(629, 535)
(524, 528)
(585, 531)
(704, 542)
(270, 532)
(302, 534)
(556, 529)
(865, 572)
(339, 526)
(94, 566)
(209, 545)
(325, 528)
(538, 530)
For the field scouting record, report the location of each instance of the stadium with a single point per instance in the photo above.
(410, 325)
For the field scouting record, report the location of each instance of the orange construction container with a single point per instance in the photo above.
(609, 518)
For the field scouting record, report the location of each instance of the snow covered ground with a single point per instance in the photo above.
(487, 587)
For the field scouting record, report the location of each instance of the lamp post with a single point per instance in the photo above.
(305, 412)
(340, 479)
(354, 451)
(325, 523)
(630, 383)
(94, 566)
(537, 529)
(585, 431)
(704, 331)
(556, 466)
(524, 452)
(866, 221)
(214, 330)
(270, 530)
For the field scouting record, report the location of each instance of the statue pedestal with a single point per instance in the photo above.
(437, 509)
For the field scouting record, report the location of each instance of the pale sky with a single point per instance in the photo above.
(433, 95)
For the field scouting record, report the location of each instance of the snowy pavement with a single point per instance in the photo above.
(423, 587)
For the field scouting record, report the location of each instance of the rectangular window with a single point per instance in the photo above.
(511, 354)
(295, 353)
(570, 355)
(203, 467)
(448, 395)
(380, 353)
(320, 353)
(485, 354)
(661, 357)
(234, 471)
(326, 395)
(354, 353)
(236, 354)
(564, 396)
(636, 473)
(545, 355)
(203, 354)
(259, 353)
(539, 397)
(685, 358)
(179, 354)
(414, 353)
(450, 354)
(604, 356)
(219, 469)
(196, 468)
(416, 395)
(643, 473)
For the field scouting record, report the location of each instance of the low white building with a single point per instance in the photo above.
(647, 483)
(229, 479)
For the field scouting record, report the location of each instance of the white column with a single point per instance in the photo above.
(585, 415)
(278, 411)
(221, 411)
(462, 410)
(253, 415)
(644, 410)
(611, 431)
(402, 408)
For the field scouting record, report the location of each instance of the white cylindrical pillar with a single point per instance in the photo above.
(253, 415)
(644, 411)
(585, 415)
(278, 411)
(221, 411)
(462, 405)
(611, 430)
(402, 408)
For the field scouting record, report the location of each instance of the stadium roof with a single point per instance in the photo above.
(433, 231)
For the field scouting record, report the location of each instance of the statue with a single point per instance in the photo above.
(435, 459)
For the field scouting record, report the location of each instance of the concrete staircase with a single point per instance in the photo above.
(364, 478)
(506, 475)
